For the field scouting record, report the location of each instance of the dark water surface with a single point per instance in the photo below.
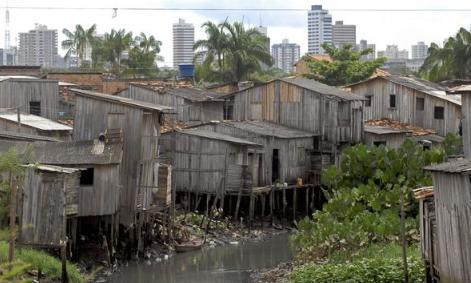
(222, 264)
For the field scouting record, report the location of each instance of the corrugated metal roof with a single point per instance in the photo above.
(52, 168)
(79, 153)
(36, 122)
(120, 100)
(385, 130)
(197, 95)
(462, 89)
(4, 78)
(216, 136)
(321, 88)
(269, 129)
(456, 166)
(26, 137)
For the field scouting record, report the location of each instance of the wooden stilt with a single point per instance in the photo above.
(284, 206)
(263, 210)
(230, 205)
(112, 238)
(140, 244)
(251, 209)
(239, 196)
(198, 200)
(272, 203)
(307, 201)
(295, 199)
(313, 197)
(64, 278)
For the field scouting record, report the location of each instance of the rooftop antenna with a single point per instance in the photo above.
(7, 28)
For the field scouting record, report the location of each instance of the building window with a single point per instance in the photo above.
(35, 108)
(368, 97)
(229, 112)
(86, 177)
(439, 112)
(379, 143)
(419, 104)
(392, 101)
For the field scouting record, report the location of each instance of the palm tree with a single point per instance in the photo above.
(453, 61)
(246, 50)
(148, 44)
(117, 41)
(143, 56)
(214, 46)
(79, 41)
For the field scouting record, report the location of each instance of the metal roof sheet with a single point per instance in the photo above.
(385, 130)
(36, 122)
(269, 129)
(13, 77)
(216, 136)
(120, 100)
(52, 168)
(26, 137)
(461, 166)
(462, 89)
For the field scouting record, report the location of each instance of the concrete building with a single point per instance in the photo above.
(263, 30)
(285, 55)
(319, 27)
(365, 45)
(38, 47)
(419, 51)
(392, 52)
(343, 34)
(183, 41)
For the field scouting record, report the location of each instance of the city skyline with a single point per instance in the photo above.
(370, 25)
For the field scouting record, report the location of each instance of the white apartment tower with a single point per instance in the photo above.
(319, 28)
(183, 41)
(419, 51)
(38, 47)
(343, 34)
(285, 55)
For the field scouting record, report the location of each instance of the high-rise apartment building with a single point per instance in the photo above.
(392, 52)
(38, 47)
(365, 45)
(183, 41)
(264, 31)
(344, 34)
(285, 55)
(319, 28)
(419, 51)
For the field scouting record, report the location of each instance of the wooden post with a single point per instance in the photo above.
(13, 189)
(239, 196)
(112, 238)
(263, 209)
(272, 203)
(295, 198)
(65, 278)
(307, 201)
(284, 206)
(404, 240)
(140, 244)
(251, 209)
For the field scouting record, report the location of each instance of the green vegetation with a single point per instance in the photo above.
(362, 215)
(28, 261)
(345, 67)
(452, 61)
(376, 264)
(453, 144)
(107, 53)
(232, 53)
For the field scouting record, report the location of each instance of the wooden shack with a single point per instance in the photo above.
(390, 137)
(47, 194)
(30, 95)
(465, 92)
(287, 152)
(190, 104)
(210, 162)
(303, 104)
(452, 195)
(410, 100)
(139, 123)
(34, 125)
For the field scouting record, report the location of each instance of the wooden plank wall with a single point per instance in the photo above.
(405, 111)
(452, 196)
(20, 93)
(43, 209)
(392, 140)
(466, 104)
(93, 117)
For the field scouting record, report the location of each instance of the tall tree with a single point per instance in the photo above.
(452, 61)
(143, 56)
(345, 66)
(214, 46)
(79, 42)
(117, 41)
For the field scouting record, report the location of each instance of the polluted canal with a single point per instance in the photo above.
(226, 263)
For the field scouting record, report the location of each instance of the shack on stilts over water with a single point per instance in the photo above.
(192, 105)
(304, 104)
(139, 125)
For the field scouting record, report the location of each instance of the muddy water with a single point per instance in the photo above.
(226, 264)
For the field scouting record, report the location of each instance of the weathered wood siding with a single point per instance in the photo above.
(187, 111)
(293, 153)
(392, 140)
(8, 125)
(206, 165)
(19, 93)
(453, 211)
(428, 233)
(44, 208)
(94, 116)
(406, 106)
(287, 104)
(466, 124)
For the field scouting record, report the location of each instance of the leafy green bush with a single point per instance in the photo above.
(367, 270)
(453, 144)
(364, 200)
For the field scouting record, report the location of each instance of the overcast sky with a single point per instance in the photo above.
(381, 28)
